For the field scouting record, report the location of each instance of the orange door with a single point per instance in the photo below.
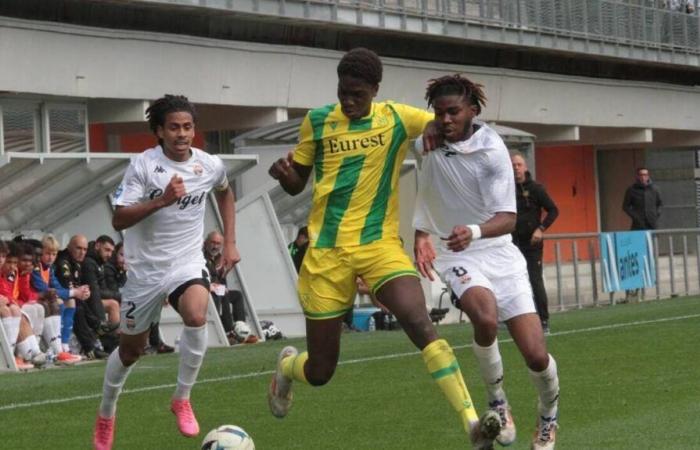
(568, 174)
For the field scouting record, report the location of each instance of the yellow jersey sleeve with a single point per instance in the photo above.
(414, 119)
(305, 150)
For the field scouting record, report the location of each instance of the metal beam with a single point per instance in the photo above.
(92, 189)
(32, 190)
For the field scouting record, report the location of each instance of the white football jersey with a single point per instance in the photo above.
(465, 183)
(172, 234)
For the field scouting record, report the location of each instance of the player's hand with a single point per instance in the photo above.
(282, 168)
(424, 252)
(432, 137)
(174, 191)
(536, 237)
(460, 238)
(229, 258)
(83, 292)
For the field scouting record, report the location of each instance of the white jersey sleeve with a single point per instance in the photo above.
(221, 178)
(132, 189)
(498, 183)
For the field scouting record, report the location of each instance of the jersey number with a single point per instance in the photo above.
(130, 313)
(459, 271)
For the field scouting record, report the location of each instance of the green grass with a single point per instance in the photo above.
(629, 379)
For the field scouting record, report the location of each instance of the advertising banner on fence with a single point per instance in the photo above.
(627, 260)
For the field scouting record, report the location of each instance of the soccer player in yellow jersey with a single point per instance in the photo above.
(356, 147)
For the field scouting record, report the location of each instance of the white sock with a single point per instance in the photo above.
(11, 326)
(547, 385)
(52, 333)
(491, 368)
(193, 346)
(28, 348)
(115, 377)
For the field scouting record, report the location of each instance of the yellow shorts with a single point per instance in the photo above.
(327, 284)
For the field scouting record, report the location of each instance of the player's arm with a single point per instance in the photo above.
(499, 224)
(128, 216)
(424, 253)
(291, 175)
(226, 202)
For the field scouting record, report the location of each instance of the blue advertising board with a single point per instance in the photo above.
(627, 260)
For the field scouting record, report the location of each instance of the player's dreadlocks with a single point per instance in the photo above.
(165, 105)
(456, 85)
(361, 63)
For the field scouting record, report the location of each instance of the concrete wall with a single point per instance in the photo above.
(59, 59)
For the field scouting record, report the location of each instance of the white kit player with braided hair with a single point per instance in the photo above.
(160, 205)
(466, 197)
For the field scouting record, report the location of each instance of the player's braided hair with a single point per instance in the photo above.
(165, 105)
(361, 63)
(456, 85)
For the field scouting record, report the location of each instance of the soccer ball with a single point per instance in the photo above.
(241, 330)
(228, 437)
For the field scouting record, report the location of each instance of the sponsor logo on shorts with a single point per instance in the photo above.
(130, 324)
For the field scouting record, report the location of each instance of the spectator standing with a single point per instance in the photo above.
(297, 248)
(532, 199)
(642, 203)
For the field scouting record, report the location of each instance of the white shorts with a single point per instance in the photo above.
(143, 298)
(501, 269)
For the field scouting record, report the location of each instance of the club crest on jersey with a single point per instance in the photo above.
(197, 169)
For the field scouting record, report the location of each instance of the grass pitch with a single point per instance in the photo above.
(629, 379)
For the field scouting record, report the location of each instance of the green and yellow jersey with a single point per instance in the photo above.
(357, 164)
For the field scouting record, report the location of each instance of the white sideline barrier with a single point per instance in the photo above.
(171, 326)
(7, 359)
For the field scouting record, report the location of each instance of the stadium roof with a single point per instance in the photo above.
(40, 191)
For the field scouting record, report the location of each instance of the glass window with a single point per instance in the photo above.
(19, 127)
(67, 129)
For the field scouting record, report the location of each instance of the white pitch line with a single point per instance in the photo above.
(13, 406)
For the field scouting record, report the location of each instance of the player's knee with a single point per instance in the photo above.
(129, 354)
(196, 320)
(485, 323)
(537, 361)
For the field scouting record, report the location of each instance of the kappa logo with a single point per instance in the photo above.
(448, 153)
(159, 169)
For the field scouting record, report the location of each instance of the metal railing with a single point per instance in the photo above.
(642, 23)
(574, 279)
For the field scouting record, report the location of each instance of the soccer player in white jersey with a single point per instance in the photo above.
(160, 205)
(466, 197)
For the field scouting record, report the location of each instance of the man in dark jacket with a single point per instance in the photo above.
(532, 198)
(89, 314)
(94, 276)
(642, 202)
